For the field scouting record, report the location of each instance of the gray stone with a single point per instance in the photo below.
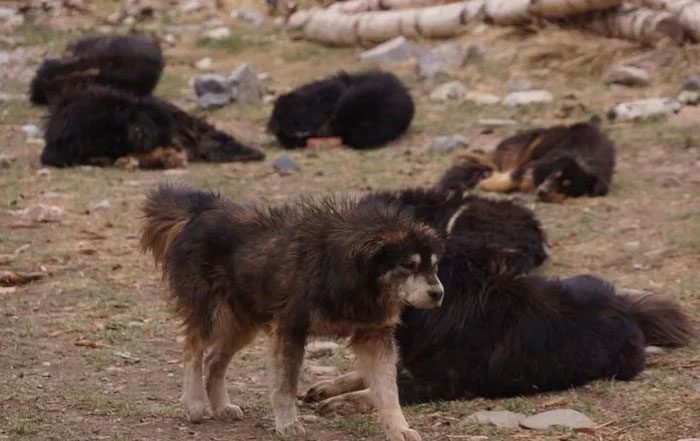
(396, 49)
(654, 350)
(6, 13)
(31, 130)
(477, 97)
(692, 83)
(319, 348)
(492, 123)
(628, 76)
(446, 144)
(100, 206)
(644, 109)
(528, 97)
(454, 54)
(499, 418)
(519, 85)
(220, 33)
(250, 17)
(285, 165)
(560, 417)
(41, 213)
(431, 66)
(689, 97)
(453, 90)
(213, 90)
(246, 84)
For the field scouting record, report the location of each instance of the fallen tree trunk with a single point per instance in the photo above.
(567, 8)
(339, 29)
(688, 13)
(507, 12)
(632, 23)
(357, 6)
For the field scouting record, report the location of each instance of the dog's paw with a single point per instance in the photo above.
(403, 435)
(347, 404)
(229, 412)
(291, 430)
(195, 410)
(319, 391)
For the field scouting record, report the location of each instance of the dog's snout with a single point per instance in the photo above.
(435, 294)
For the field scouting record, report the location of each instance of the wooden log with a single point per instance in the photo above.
(507, 12)
(357, 6)
(688, 14)
(567, 8)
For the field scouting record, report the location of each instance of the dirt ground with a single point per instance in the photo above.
(100, 289)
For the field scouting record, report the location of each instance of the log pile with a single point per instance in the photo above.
(364, 22)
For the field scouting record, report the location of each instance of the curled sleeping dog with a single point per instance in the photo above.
(555, 162)
(315, 268)
(502, 332)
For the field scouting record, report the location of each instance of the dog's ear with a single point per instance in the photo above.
(598, 187)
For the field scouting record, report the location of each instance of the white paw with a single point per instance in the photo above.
(403, 435)
(195, 411)
(291, 430)
(229, 412)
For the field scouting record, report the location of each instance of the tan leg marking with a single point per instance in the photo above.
(194, 398)
(501, 182)
(285, 364)
(376, 360)
(322, 390)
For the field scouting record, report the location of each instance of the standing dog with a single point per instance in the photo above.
(555, 162)
(329, 268)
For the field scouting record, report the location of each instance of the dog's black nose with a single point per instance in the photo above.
(435, 294)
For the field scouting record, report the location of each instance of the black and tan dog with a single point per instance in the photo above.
(365, 110)
(555, 162)
(132, 63)
(325, 268)
(503, 332)
(99, 125)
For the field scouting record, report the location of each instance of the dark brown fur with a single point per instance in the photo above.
(328, 268)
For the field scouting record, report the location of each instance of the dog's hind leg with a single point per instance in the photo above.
(287, 354)
(376, 360)
(325, 389)
(216, 362)
(351, 403)
(194, 398)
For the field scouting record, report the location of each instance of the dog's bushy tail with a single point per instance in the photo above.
(166, 211)
(662, 320)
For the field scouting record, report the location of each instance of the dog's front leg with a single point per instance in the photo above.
(286, 359)
(376, 360)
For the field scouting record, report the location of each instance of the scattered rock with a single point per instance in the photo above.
(317, 349)
(396, 49)
(453, 90)
(213, 90)
(487, 99)
(6, 160)
(6, 13)
(499, 418)
(285, 165)
(689, 97)
(103, 205)
(41, 213)
(692, 83)
(628, 76)
(654, 350)
(454, 54)
(205, 63)
(12, 278)
(323, 370)
(518, 85)
(245, 84)
(559, 417)
(220, 33)
(644, 109)
(431, 66)
(446, 144)
(492, 123)
(528, 97)
(31, 130)
(250, 17)
(190, 5)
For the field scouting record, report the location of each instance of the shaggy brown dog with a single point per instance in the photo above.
(556, 162)
(329, 268)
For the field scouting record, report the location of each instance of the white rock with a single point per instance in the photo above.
(560, 417)
(528, 97)
(446, 144)
(519, 85)
(100, 206)
(41, 213)
(644, 109)
(396, 49)
(221, 33)
(487, 99)
(654, 350)
(246, 86)
(453, 53)
(190, 5)
(205, 63)
(431, 66)
(6, 13)
(499, 418)
(317, 349)
(689, 97)
(628, 76)
(453, 90)
(31, 130)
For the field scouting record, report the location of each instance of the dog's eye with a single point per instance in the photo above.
(566, 183)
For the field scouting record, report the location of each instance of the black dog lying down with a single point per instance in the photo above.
(501, 332)
(556, 162)
(365, 110)
(131, 63)
(98, 125)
